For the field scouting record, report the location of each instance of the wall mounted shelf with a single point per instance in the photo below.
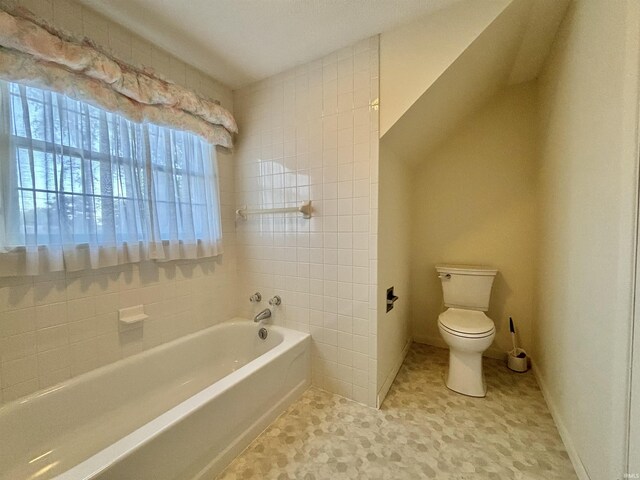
(132, 315)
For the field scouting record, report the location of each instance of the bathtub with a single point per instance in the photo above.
(182, 410)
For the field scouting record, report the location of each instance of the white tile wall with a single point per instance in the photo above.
(312, 133)
(309, 133)
(57, 326)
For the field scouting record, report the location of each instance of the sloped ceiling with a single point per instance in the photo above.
(511, 50)
(242, 41)
(414, 56)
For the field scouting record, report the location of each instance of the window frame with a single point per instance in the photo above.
(16, 142)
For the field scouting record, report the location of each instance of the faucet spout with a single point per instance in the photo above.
(263, 315)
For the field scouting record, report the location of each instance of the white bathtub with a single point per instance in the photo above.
(182, 410)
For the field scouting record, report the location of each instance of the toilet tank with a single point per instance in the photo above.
(466, 286)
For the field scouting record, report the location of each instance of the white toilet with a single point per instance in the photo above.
(464, 326)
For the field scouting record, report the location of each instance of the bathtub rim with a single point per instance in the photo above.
(96, 372)
(126, 445)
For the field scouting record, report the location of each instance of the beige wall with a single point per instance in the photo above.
(394, 262)
(54, 327)
(474, 202)
(588, 118)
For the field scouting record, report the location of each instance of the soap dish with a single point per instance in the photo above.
(132, 315)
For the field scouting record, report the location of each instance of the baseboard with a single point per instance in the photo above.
(578, 466)
(439, 342)
(382, 393)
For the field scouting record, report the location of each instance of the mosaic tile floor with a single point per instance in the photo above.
(423, 430)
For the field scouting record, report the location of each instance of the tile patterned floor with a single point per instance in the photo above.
(423, 430)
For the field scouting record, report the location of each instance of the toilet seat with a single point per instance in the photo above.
(466, 323)
(466, 335)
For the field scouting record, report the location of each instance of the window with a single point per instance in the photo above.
(84, 188)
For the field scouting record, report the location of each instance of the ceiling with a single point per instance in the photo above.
(241, 41)
(511, 50)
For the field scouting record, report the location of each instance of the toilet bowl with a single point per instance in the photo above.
(468, 334)
(464, 326)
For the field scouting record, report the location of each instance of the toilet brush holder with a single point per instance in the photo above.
(517, 360)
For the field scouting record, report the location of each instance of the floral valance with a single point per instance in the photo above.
(34, 53)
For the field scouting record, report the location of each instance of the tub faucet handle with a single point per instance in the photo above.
(255, 298)
(275, 301)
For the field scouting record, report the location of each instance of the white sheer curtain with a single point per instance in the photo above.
(184, 192)
(86, 188)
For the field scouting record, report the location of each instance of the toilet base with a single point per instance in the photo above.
(465, 374)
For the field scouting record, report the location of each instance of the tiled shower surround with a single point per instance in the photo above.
(308, 134)
(311, 133)
(58, 326)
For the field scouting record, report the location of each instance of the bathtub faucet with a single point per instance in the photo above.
(263, 315)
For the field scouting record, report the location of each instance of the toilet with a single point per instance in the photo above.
(464, 326)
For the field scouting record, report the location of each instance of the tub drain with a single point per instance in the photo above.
(262, 333)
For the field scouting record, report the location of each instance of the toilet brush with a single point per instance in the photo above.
(517, 358)
(513, 339)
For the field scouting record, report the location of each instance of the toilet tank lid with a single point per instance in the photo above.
(467, 270)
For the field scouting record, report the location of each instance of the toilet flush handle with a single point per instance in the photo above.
(444, 275)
